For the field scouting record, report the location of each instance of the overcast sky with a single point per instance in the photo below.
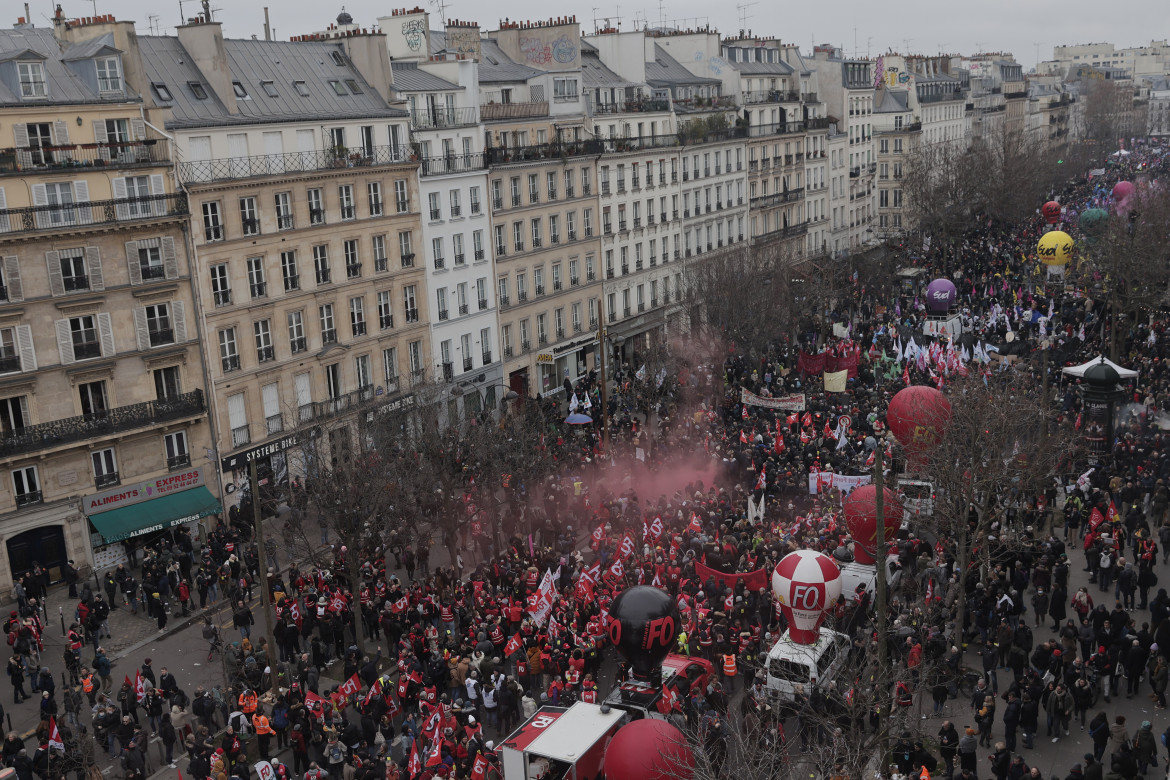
(914, 26)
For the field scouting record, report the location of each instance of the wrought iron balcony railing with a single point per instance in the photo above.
(224, 168)
(71, 430)
(96, 212)
(21, 161)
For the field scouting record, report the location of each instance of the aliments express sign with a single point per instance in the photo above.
(142, 491)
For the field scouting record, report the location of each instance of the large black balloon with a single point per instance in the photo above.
(643, 625)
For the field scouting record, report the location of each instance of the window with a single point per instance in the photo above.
(533, 188)
(161, 91)
(385, 310)
(481, 292)
(502, 290)
(378, 245)
(401, 196)
(485, 345)
(410, 303)
(84, 335)
(554, 229)
(238, 88)
(357, 316)
(198, 90)
(166, 383)
(175, 448)
(13, 415)
(435, 208)
(437, 253)
(109, 74)
(445, 359)
(269, 89)
(328, 328)
(521, 287)
(345, 195)
(556, 277)
(238, 420)
(571, 226)
(551, 182)
(390, 364)
(221, 290)
(462, 296)
(288, 270)
(414, 355)
(353, 86)
(338, 89)
(321, 263)
(159, 327)
(588, 222)
(406, 249)
(518, 236)
(256, 280)
(564, 89)
(441, 303)
(457, 249)
(92, 398)
(353, 268)
(73, 275)
(465, 350)
(515, 188)
(456, 207)
(26, 486)
(262, 329)
(284, 213)
(506, 338)
(296, 332)
(301, 89)
(212, 222)
(542, 328)
(316, 207)
(32, 79)
(476, 205)
(374, 190)
(228, 355)
(538, 280)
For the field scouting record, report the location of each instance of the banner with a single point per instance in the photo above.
(827, 480)
(540, 604)
(824, 361)
(810, 364)
(793, 402)
(836, 381)
(751, 580)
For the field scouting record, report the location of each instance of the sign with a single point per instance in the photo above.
(142, 491)
(264, 771)
(534, 727)
(545, 358)
(241, 459)
(827, 480)
(585, 342)
(793, 402)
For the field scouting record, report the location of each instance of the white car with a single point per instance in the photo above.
(809, 666)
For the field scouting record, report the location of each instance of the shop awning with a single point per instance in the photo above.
(155, 515)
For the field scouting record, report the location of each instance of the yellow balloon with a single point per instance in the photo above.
(1055, 248)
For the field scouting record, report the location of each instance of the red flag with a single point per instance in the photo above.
(762, 482)
(350, 687)
(1080, 419)
(375, 689)
(400, 606)
(744, 414)
(616, 570)
(599, 534)
(294, 609)
(871, 459)
(627, 547)
(791, 419)
(1095, 519)
(806, 420)
(804, 437)
(514, 645)
(392, 707)
(433, 723)
(654, 530)
(778, 444)
(906, 373)
(479, 769)
(696, 525)
(743, 439)
(414, 765)
(337, 603)
(139, 687)
(1111, 514)
(55, 740)
(657, 581)
(435, 754)
(829, 432)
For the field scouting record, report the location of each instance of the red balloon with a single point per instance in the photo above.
(1051, 212)
(917, 416)
(861, 519)
(648, 749)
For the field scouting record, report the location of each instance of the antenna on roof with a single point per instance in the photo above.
(743, 14)
(207, 10)
(152, 23)
(441, 7)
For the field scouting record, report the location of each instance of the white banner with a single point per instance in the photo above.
(827, 480)
(793, 402)
(264, 771)
(541, 607)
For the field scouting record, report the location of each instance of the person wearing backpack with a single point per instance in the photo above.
(280, 722)
(335, 757)
(1099, 733)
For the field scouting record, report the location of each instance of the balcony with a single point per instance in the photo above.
(788, 128)
(160, 336)
(321, 410)
(491, 111)
(58, 217)
(776, 198)
(463, 309)
(226, 168)
(467, 364)
(407, 259)
(938, 97)
(443, 315)
(629, 106)
(788, 231)
(483, 304)
(770, 96)
(329, 336)
(274, 424)
(432, 118)
(385, 321)
(83, 428)
(259, 289)
(455, 163)
(298, 345)
(21, 161)
(550, 151)
(358, 328)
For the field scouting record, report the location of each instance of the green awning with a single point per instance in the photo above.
(158, 514)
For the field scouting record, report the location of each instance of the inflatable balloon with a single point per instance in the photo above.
(940, 294)
(648, 749)
(1055, 248)
(643, 624)
(806, 584)
(916, 416)
(1051, 212)
(1122, 190)
(861, 520)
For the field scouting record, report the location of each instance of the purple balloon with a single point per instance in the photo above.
(940, 294)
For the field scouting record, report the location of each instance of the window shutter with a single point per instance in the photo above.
(93, 267)
(5, 225)
(40, 195)
(138, 129)
(170, 261)
(120, 193)
(133, 264)
(65, 342)
(99, 131)
(81, 195)
(157, 186)
(20, 134)
(24, 342)
(179, 317)
(106, 334)
(12, 279)
(61, 132)
(141, 330)
(53, 264)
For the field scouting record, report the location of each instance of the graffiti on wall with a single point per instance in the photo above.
(414, 32)
(463, 41)
(540, 52)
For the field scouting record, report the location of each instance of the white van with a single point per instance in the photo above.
(917, 497)
(815, 665)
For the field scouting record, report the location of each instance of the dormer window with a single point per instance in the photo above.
(197, 90)
(269, 89)
(239, 90)
(337, 58)
(109, 74)
(32, 80)
(353, 86)
(301, 89)
(161, 91)
(338, 89)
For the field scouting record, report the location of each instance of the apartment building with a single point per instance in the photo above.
(103, 414)
(897, 134)
(837, 154)
(306, 208)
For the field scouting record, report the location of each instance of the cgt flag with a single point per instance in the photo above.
(514, 645)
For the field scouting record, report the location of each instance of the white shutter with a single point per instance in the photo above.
(100, 135)
(65, 342)
(93, 267)
(106, 334)
(170, 261)
(41, 198)
(270, 394)
(53, 264)
(23, 156)
(179, 318)
(157, 185)
(81, 195)
(138, 129)
(121, 193)
(12, 279)
(24, 342)
(141, 328)
(304, 390)
(5, 225)
(133, 264)
(61, 132)
(237, 412)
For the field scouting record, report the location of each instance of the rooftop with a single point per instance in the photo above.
(66, 80)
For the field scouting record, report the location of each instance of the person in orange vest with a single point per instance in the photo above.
(730, 671)
(263, 729)
(589, 690)
(248, 701)
(88, 685)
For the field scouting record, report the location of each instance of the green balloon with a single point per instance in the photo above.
(1094, 221)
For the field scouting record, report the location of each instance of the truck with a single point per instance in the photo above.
(561, 743)
(809, 666)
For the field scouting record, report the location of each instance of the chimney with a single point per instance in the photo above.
(371, 58)
(203, 41)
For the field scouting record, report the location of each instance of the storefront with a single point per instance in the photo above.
(136, 515)
(564, 361)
